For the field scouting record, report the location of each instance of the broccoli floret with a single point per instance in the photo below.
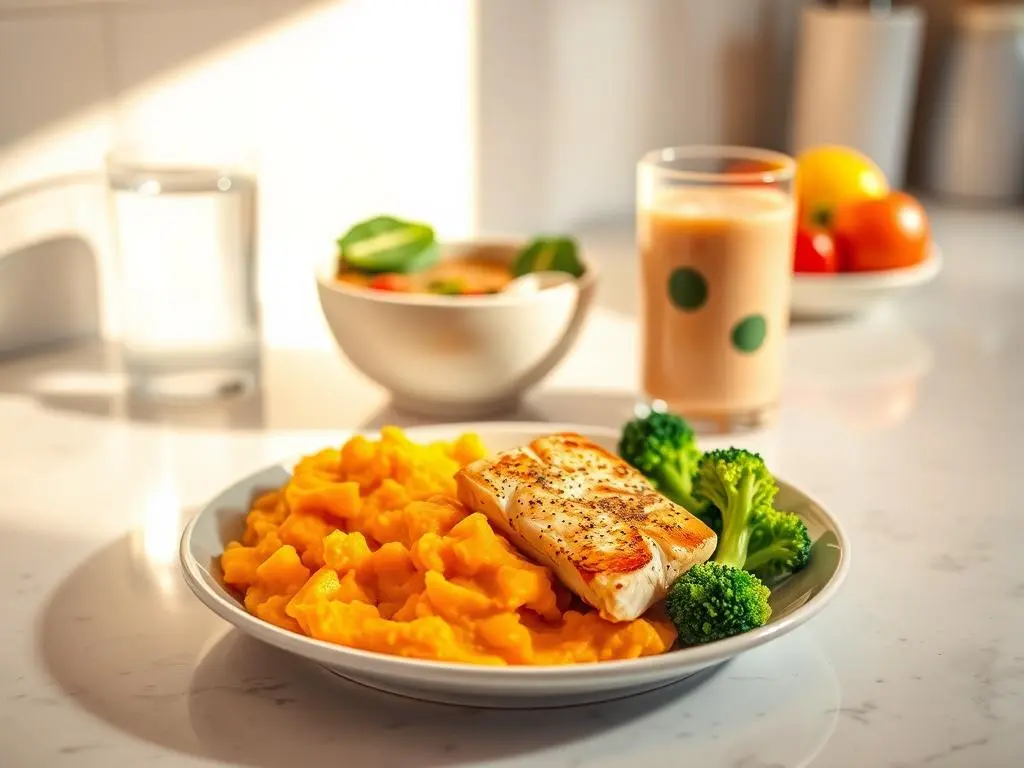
(738, 484)
(734, 492)
(663, 447)
(779, 544)
(712, 601)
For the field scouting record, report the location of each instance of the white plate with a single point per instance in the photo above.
(855, 293)
(794, 601)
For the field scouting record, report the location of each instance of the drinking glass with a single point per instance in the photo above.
(185, 241)
(715, 231)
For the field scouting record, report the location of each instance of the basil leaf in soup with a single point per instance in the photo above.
(549, 254)
(449, 287)
(388, 244)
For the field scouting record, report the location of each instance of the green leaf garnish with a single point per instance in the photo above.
(388, 244)
(549, 254)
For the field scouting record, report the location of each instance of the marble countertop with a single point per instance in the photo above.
(902, 424)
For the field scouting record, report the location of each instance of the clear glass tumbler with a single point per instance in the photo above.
(715, 232)
(185, 236)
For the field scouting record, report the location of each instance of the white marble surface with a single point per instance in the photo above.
(904, 425)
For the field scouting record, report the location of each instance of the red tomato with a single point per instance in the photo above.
(748, 167)
(388, 281)
(815, 251)
(751, 166)
(887, 233)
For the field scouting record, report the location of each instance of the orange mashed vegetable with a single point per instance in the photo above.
(368, 547)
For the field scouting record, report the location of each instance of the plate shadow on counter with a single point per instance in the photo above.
(255, 704)
(151, 661)
(258, 704)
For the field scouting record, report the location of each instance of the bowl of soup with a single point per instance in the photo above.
(454, 339)
(480, 270)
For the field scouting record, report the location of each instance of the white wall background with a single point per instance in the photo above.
(574, 91)
(494, 115)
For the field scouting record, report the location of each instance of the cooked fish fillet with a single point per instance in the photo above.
(576, 454)
(593, 519)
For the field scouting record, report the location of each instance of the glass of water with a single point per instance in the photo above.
(185, 236)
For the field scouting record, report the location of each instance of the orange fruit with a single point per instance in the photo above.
(831, 176)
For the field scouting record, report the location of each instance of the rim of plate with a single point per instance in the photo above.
(889, 278)
(320, 650)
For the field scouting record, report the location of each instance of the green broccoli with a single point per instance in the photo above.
(712, 601)
(663, 446)
(737, 483)
(718, 599)
(779, 544)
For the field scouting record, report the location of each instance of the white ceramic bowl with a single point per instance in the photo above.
(857, 293)
(456, 356)
(793, 601)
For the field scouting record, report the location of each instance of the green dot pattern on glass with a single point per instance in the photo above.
(748, 334)
(687, 288)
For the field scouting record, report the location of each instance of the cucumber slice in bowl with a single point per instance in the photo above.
(388, 244)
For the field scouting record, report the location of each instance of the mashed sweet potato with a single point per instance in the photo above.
(368, 547)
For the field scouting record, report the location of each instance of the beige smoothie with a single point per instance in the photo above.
(715, 281)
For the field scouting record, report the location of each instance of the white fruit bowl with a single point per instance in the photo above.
(856, 293)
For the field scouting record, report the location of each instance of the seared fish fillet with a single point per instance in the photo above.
(593, 519)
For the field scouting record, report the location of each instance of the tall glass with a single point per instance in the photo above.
(185, 238)
(715, 231)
